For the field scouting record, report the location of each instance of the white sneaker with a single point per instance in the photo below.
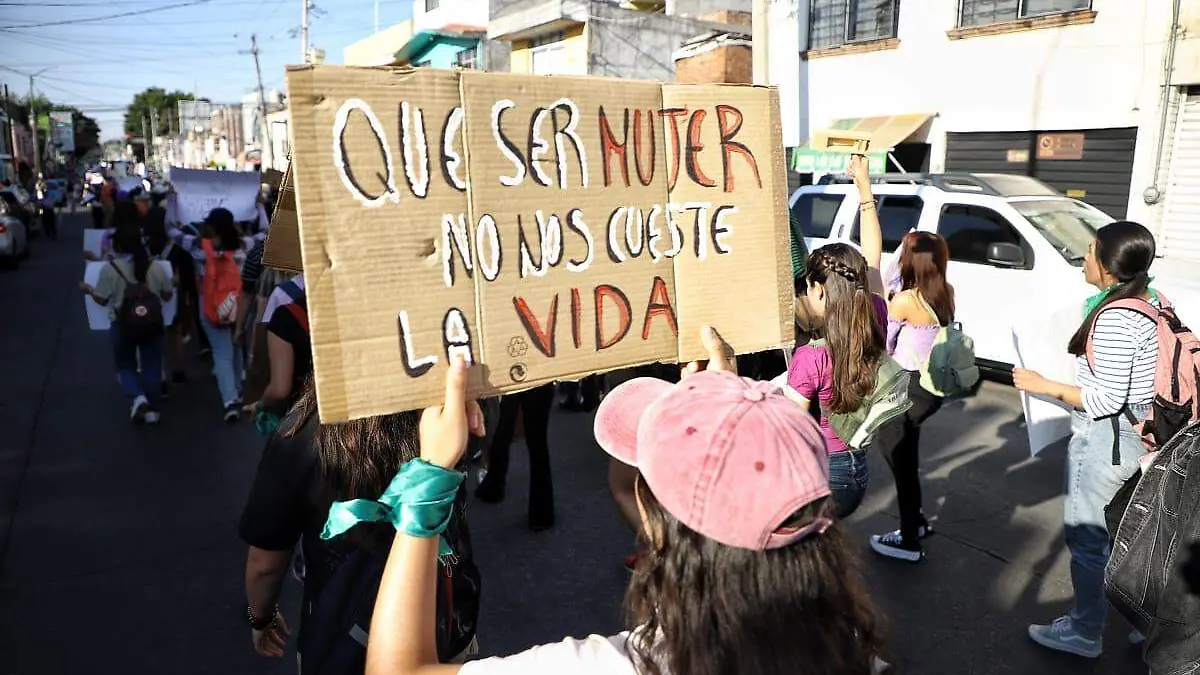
(879, 666)
(1136, 638)
(137, 412)
(152, 417)
(1062, 636)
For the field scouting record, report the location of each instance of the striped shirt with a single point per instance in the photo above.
(1125, 349)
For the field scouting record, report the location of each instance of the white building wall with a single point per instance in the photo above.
(462, 12)
(1099, 75)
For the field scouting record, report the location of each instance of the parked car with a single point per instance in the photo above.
(14, 232)
(1013, 241)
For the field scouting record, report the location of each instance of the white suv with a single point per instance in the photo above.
(1013, 241)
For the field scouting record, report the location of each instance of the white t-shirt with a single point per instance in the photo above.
(596, 655)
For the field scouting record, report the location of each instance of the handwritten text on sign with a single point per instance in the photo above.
(497, 217)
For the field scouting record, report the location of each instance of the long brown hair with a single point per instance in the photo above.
(702, 608)
(852, 331)
(1126, 250)
(923, 259)
(359, 458)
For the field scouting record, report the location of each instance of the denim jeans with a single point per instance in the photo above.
(227, 360)
(848, 476)
(126, 355)
(1092, 482)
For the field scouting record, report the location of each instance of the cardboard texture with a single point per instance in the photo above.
(545, 228)
(283, 238)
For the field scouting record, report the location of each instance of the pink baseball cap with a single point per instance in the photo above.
(731, 458)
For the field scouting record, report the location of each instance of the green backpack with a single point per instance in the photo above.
(885, 403)
(950, 370)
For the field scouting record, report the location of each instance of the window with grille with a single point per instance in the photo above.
(980, 12)
(431, 5)
(837, 22)
(468, 58)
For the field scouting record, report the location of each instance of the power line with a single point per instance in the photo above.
(94, 19)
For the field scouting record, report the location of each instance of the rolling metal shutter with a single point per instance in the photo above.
(1102, 175)
(1180, 234)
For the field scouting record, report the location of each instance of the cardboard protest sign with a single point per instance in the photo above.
(198, 191)
(283, 239)
(545, 228)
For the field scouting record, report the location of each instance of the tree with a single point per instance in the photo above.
(165, 104)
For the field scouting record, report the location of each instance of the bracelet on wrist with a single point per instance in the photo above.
(263, 623)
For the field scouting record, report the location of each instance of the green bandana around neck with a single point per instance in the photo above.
(1093, 302)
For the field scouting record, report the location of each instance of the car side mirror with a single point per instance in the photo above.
(1004, 254)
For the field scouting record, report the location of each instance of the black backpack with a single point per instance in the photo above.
(1144, 579)
(141, 313)
(335, 625)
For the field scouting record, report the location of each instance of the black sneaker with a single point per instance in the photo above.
(893, 545)
(491, 491)
(232, 413)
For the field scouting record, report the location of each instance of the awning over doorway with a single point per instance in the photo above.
(886, 132)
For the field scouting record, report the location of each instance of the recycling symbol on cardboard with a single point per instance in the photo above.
(517, 347)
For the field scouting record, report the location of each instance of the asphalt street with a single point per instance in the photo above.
(119, 553)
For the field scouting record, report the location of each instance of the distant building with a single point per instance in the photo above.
(227, 123)
(380, 48)
(580, 37)
(453, 46)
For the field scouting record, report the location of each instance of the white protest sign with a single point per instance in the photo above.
(1041, 343)
(98, 316)
(93, 241)
(197, 192)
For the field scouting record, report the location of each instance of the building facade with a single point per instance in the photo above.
(380, 48)
(1098, 98)
(614, 39)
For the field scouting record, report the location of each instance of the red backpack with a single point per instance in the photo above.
(222, 285)
(1176, 396)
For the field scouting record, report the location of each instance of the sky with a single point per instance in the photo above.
(189, 45)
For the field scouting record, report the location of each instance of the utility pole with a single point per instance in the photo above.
(37, 153)
(303, 30)
(268, 158)
(12, 133)
(145, 141)
(153, 127)
(761, 41)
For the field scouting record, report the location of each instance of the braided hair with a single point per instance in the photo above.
(852, 332)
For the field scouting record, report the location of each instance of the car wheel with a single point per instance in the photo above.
(25, 251)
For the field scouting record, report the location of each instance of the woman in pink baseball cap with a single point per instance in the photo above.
(746, 572)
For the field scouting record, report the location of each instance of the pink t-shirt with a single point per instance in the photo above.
(811, 376)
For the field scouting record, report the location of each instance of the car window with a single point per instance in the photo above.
(1069, 226)
(898, 215)
(814, 213)
(970, 230)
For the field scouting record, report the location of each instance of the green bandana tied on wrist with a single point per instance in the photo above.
(418, 502)
(1093, 302)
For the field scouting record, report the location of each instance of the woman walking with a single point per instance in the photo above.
(836, 373)
(916, 314)
(219, 244)
(133, 289)
(1113, 391)
(723, 589)
(307, 467)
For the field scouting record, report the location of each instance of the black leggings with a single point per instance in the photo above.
(904, 457)
(534, 406)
